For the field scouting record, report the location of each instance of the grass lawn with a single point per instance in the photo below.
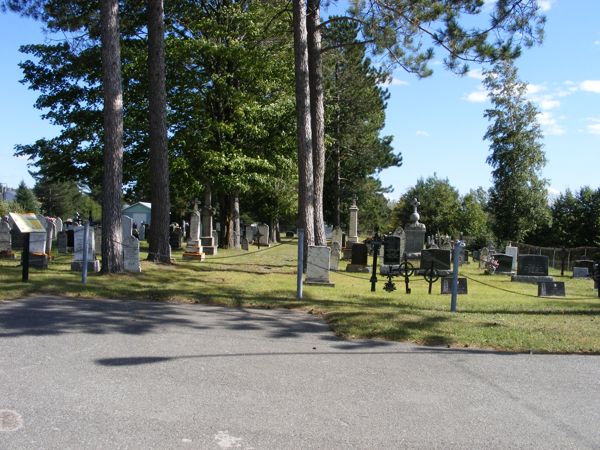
(496, 313)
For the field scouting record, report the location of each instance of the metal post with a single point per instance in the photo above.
(376, 245)
(300, 263)
(86, 230)
(457, 247)
(25, 258)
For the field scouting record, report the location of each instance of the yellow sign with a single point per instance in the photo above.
(28, 223)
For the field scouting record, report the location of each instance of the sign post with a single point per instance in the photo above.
(26, 223)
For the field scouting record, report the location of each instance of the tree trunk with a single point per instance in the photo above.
(317, 115)
(303, 133)
(234, 209)
(112, 179)
(159, 249)
(338, 159)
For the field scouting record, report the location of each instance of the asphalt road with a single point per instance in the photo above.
(81, 374)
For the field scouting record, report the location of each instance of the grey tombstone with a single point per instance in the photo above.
(37, 243)
(475, 255)
(59, 225)
(263, 235)
(514, 252)
(353, 225)
(5, 241)
(245, 244)
(505, 263)
(207, 239)
(533, 265)
(581, 272)
(50, 235)
(415, 233)
(551, 289)
(142, 232)
(62, 242)
(336, 236)
(334, 259)
(215, 235)
(194, 250)
(484, 256)
(175, 235)
(250, 229)
(16, 238)
(360, 255)
(78, 250)
(461, 287)
(585, 263)
(440, 259)
(317, 266)
(130, 246)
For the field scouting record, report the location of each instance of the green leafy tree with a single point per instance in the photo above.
(26, 199)
(64, 199)
(472, 218)
(439, 209)
(518, 197)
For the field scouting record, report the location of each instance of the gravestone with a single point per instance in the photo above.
(440, 258)
(59, 225)
(317, 266)
(193, 249)
(334, 258)
(353, 225)
(5, 241)
(336, 236)
(415, 233)
(71, 238)
(360, 255)
(462, 255)
(533, 265)
(551, 289)
(175, 236)
(461, 288)
(250, 231)
(393, 249)
(93, 264)
(505, 263)
(484, 256)
(208, 242)
(50, 236)
(263, 235)
(475, 255)
(289, 234)
(581, 272)
(514, 252)
(131, 247)
(16, 238)
(585, 263)
(245, 244)
(37, 243)
(142, 232)
(62, 242)
(215, 235)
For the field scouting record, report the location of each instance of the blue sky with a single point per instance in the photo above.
(437, 122)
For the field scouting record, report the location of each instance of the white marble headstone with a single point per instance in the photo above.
(334, 260)
(263, 230)
(79, 232)
(317, 267)
(37, 243)
(514, 252)
(5, 238)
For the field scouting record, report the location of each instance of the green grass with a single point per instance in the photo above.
(496, 314)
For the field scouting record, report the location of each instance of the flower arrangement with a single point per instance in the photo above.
(491, 265)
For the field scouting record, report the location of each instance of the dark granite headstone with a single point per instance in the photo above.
(393, 249)
(532, 265)
(16, 238)
(70, 238)
(360, 253)
(585, 263)
(62, 242)
(581, 272)
(440, 258)
(289, 234)
(475, 255)
(461, 288)
(504, 262)
(175, 238)
(551, 289)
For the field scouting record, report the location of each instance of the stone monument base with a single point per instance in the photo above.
(38, 261)
(347, 253)
(209, 250)
(7, 254)
(92, 266)
(532, 279)
(319, 283)
(194, 256)
(357, 268)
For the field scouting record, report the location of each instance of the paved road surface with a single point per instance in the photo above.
(81, 374)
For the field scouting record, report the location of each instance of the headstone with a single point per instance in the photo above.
(131, 247)
(71, 238)
(16, 238)
(581, 272)
(50, 236)
(5, 241)
(193, 249)
(336, 236)
(263, 235)
(334, 259)
(289, 234)
(440, 258)
(514, 252)
(461, 288)
(142, 232)
(250, 231)
(215, 235)
(353, 225)
(475, 255)
(360, 255)
(505, 263)
(175, 235)
(317, 266)
(59, 225)
(78, 250)
(37, 243)
(62, 242)
(208, 242)
(484, 256)
(462, 255)
(393, 249)
(585, 263)
(551, 289)
(415, 233)
(533, 265)
(245, 244)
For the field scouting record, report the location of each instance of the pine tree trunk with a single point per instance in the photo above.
(112, 179)
(303, 134)
(159, 249)
(317, 119)
(235, 220)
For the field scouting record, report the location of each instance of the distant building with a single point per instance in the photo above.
(140, 212)
(7, 194)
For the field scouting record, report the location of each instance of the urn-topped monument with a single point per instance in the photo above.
(415, 233)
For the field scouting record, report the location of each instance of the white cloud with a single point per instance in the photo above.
(549, 103)
(478, 96)
(395, 82)
(534, 89)
(590, 86)
(545, 5)
(550, 124)
(553, 191)
(594, 127)
(422, 133)
(596, 42)
(476, 74)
